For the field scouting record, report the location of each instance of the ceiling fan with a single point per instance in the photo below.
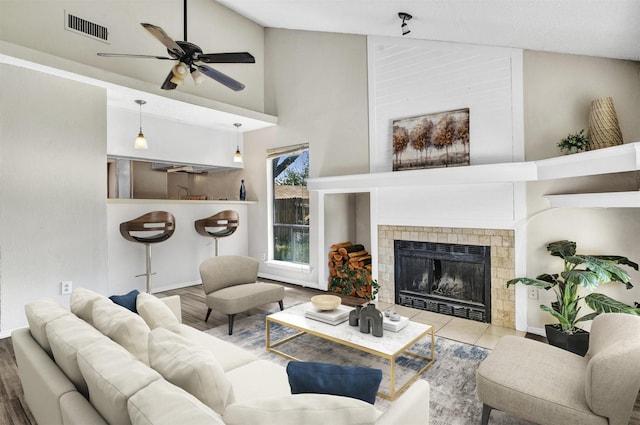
(190, 59)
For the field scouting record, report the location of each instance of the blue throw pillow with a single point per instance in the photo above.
(323, 378)
(127, 301)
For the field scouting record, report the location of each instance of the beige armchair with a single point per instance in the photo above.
(548, 385)
(230, 286)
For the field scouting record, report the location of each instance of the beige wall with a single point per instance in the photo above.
(558, 90)
(53, 190)
(316, 83)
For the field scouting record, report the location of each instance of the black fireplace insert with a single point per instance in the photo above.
(452, 279)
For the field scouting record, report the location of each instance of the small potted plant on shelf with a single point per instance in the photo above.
(573, 143)
(586, 271)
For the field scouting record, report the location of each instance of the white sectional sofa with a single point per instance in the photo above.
(103, 364)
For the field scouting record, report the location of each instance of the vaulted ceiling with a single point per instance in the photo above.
(605, 28)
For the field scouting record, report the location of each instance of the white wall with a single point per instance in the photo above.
(52, 190)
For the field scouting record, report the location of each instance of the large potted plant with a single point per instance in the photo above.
(586, 271)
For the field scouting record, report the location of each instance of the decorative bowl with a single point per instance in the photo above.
(326, 302)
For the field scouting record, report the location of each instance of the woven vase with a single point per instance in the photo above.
(604, 130)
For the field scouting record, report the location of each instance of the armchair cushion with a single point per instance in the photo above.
(323, 378)
(228, 270)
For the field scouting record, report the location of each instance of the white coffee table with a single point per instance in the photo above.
(389, 346)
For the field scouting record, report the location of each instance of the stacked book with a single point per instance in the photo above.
(332, 317)
(394, 326)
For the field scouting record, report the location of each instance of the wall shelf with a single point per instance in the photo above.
(596, 200)
(615, 159)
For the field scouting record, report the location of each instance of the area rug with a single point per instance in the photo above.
(453, 399)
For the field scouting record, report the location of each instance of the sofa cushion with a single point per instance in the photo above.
(156, 313)
(161, 403)
(113, 375)
(259, 379)
(230, 356)
(307, 409)
(67, 335)
(39, 313)
(323, 378)
(123, 326)
(82, 300)
(127, 300)
(193, 369)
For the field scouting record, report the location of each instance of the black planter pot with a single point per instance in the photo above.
(577, 343)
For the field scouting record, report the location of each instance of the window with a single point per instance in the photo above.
(290, 216)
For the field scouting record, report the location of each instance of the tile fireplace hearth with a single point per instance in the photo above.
(499, 243)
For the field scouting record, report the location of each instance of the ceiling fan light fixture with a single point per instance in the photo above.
(405, 17)
(197, 76)
(237, 157)
(179, 72)
(141, 141)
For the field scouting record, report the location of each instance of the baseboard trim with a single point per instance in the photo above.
(279, 278)
(155, 290)
(536, 331)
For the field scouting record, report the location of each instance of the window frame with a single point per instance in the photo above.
(271, 155)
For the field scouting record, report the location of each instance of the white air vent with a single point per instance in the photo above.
(82, 26)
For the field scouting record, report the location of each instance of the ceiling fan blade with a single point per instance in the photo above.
(220, 77)
(167, 84)
(163, 38)
(234, 57)
(126, 55)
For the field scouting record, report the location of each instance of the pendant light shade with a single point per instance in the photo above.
(405, 17)
(237, 157)
(141, 142)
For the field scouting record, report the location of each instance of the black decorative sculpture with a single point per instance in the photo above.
(371, 320)
(354, 316)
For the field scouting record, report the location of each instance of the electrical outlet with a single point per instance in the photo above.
(264, 257)
(533, 293)
(66, 287)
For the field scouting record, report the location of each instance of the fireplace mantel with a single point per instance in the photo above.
(615, 159)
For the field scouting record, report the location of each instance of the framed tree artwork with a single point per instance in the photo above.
(431, 141)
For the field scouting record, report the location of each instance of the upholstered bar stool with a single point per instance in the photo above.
(226, 222)
(161, 223)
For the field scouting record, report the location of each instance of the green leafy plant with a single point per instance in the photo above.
(354, 281)
(587, 271)
(577, 142)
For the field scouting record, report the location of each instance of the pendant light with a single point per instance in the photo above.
(405, 17)
(141, 142)
(237, 157)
